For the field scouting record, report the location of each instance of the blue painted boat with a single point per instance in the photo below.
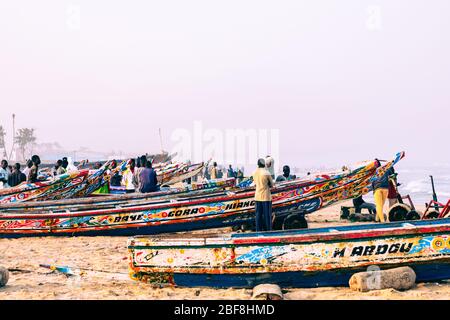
(293, 258)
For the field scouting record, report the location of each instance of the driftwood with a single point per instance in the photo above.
(403, 278)
(4, 276)
(267, 292)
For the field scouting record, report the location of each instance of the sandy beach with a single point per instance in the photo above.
(29, 281)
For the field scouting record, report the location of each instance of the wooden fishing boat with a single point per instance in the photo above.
(46, 190)
(293, 258)
(191, 213)
(195, 189)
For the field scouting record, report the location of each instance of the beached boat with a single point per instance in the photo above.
(194, 189)
(292, 258)
(46, 190)
(196, 212)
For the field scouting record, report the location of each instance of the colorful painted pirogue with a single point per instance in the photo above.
(195, 189)
(185, 214)
(50, 189)
(292, 258)
(78, 184)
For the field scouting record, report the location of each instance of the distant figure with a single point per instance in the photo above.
(141, 163)
(231, 173)
(65, 163)
(116, 179)
(59, 169)
(149, 180)
(240, 176)
(214, 172)
(286, 176)
(270, 166)
(263, 197)
(392, 191)
(380, 191)
(17, 176)
(359, 204)
(70, 165)
(97, 165)
(4, 174)
(33, 173)
(28, 167)
(127, 179)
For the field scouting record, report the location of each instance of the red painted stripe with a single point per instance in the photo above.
(343, 235)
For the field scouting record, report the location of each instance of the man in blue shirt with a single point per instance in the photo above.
(148, 179)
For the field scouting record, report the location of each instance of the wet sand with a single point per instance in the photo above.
(110, 254)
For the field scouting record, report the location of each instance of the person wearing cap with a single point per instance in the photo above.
(263, 197)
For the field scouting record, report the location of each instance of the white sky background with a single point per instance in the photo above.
(338, 90)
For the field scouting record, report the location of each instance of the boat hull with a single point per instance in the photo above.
(425, 272)
(190, 213)
(294, 258)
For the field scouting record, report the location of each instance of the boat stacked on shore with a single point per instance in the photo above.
(181, 210)
(66, 206)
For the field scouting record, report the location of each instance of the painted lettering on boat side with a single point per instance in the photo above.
(136, 217)
(370, 250)
(240, 205)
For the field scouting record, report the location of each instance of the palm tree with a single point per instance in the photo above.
(24, 138)
(2, 141)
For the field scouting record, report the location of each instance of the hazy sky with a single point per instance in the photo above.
(342, 80)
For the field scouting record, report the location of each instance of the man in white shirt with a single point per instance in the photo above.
(4, 174)
(270, 166)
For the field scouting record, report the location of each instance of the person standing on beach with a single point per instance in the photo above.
(141, 163)
(27, 167)
(270, 166)
(127, 179)
(214, 172)
(4, 174)
(263, 197)
(16, 177)
(149, 179)
(393, 193)
(380, 192)
(231, 173)
(59, 169)
(33, 173)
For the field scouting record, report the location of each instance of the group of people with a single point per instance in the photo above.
(384, 188)
(263, 178)
(215, 173)
(12, 176)
(139, 176)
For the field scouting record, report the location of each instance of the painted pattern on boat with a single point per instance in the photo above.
(297, 253)
(189, 214)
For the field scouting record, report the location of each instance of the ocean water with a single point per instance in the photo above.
(414, 180)
(417, 183)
